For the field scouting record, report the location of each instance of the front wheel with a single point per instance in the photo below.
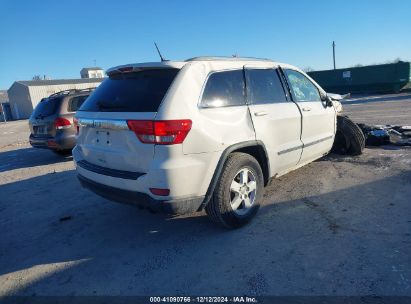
(239, 191)
(349, 138)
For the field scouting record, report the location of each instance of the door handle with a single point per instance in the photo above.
(261, 113)
(306, 109)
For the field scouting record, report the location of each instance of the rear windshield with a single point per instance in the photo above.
(131, 92)
(46, 107)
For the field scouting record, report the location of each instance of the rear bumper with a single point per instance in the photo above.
(40, 142)
(181, 206)
(59, 142)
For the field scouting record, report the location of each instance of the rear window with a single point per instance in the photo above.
(131, 92)
(46, 107)
(224, 89)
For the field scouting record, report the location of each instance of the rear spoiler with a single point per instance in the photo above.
(136, 67)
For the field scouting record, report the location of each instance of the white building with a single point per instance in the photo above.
(5, 113)
(25, 95)
(94, 72)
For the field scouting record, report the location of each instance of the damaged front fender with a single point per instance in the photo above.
(336, 101)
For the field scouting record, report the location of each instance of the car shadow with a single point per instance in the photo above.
(29, 157)
(64, 240)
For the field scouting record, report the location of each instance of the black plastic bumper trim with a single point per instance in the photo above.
(109, 172)
(182, 206)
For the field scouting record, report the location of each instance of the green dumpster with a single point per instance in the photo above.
(382, 78)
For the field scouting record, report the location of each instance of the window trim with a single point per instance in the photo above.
(277, 71)
(199, 106)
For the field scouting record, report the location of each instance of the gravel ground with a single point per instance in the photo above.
(389, 109)
(338, 226)
(14, 133)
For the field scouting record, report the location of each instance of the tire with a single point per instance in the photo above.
(341, 145)
(349, 138)
(221, 208)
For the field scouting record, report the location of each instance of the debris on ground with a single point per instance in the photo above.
(386, 134)
(349, 138)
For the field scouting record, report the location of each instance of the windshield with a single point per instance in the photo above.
(140, 91)
(46, 107)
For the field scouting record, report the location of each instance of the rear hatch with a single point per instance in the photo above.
(42, 119)
(105, 138)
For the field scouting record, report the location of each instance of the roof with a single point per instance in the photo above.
(31, 83)
(92, 69)
(180, 64)
(4, 97)
(222, 58)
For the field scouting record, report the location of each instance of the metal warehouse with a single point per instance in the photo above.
(25, 95)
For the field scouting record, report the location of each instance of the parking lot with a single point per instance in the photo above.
(338, 226)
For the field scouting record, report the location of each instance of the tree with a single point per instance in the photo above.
(39, 77)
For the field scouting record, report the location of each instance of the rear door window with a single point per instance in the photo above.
(264, 86)
(224, 89)
(75, 103)
(46, 107)
(140, 91)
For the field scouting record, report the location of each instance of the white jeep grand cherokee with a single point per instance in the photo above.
(207, 133)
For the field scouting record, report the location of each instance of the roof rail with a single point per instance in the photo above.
(71, 91)
(226, 58)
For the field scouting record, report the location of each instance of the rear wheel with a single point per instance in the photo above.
(237, 196)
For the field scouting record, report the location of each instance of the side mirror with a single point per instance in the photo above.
(327, 99)
(328, 102)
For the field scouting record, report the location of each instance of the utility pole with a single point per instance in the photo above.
(334, 53)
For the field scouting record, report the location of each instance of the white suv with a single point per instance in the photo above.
(207, 133)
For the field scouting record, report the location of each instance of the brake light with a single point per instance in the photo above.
(160, 132)
(126, 69)
(62, 123)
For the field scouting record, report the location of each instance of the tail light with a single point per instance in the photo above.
(75, 124)
(62, 123)
(160, 132)
(160, 192)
